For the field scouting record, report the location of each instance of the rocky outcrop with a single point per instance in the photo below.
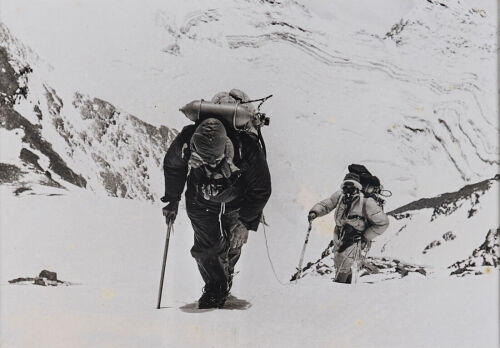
(484, 259)
(9, 173)
(45, 278)
(448, 236)
(100, 147)
(13, 88)
(447, 203)
(384, 267)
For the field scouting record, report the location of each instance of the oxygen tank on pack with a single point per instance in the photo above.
(232, 114)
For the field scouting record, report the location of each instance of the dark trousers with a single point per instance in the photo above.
(211, 249)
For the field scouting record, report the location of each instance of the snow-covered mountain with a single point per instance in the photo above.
(407, 88)
(71, 139)
(400, 87)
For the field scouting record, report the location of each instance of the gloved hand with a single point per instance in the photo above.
(170, 211)
(239, 235)
(357, 237)
(312, 215)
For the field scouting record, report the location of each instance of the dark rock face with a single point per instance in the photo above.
(447, 203)
(11, 91)
(11, 119)
(9, 173)
(139, 147)
(112, 149)
(30, 158)
(8, 79)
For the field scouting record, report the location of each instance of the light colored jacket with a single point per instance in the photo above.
(365, 214)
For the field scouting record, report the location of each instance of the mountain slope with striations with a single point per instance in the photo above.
(71, 139)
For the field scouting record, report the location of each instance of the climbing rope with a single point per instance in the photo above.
(270, 260)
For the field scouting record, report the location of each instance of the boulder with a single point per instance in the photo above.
(48, 274)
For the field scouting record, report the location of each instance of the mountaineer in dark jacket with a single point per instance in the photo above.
(228, 185)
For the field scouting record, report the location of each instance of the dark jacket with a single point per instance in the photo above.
(252, 187)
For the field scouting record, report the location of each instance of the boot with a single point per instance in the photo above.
(343, 278)
(213, 297)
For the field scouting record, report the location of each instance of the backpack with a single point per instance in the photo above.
(367, 179)
(236, 117)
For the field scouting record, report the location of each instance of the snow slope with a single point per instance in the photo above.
(468, 214)
(111, 250)
(405, 88)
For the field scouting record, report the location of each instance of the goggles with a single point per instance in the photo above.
(349, 188)
(212, 163)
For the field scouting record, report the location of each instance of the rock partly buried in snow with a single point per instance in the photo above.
(48, 274)
(431, 245)
(483, 258)
(381, 268)
(389, 266)
(448, 236)
(45, 278)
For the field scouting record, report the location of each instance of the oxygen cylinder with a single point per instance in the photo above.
(233, 114)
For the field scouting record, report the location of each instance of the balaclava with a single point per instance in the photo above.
(209, 140)
(350, 187)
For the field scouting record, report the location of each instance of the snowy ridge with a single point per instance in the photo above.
(76, 139)
(439, 231)
(431, 235)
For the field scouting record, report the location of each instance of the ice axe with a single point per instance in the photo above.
(165, 252)
(359, 261)
(299, 273)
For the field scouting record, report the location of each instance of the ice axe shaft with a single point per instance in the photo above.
(359, 262)
(299, 273)
(165, 253)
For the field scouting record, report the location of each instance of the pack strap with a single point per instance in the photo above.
(363, 209)
(261, 140)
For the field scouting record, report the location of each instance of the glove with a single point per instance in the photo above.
(170, 211)
(312, 215)
(357, 238)
(239, 235)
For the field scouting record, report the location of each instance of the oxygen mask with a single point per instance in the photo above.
(350, 191)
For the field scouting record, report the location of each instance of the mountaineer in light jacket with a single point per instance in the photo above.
(358, 219)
